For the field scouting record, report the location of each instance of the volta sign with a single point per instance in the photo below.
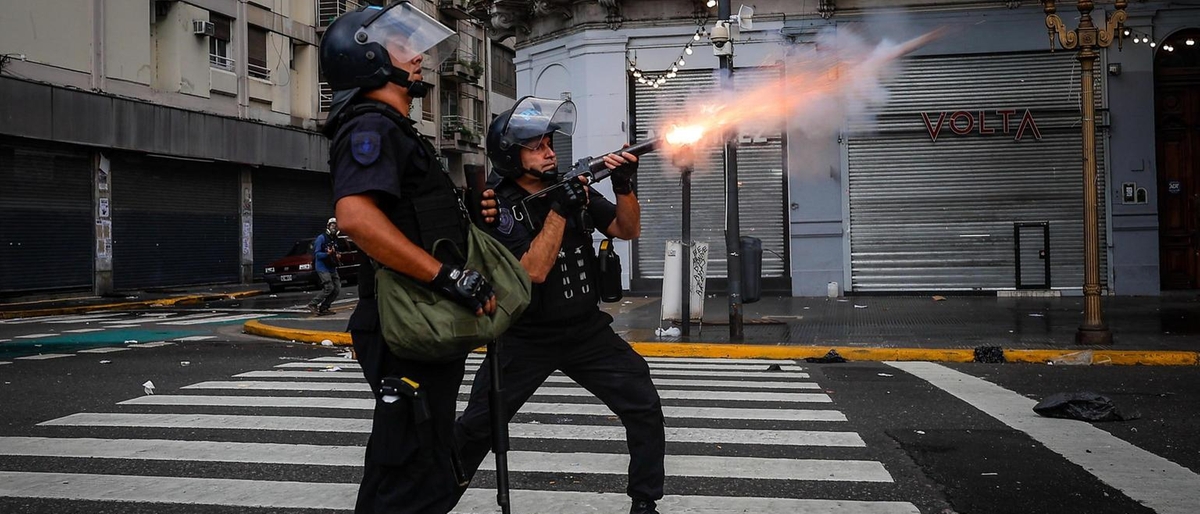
(984, 123)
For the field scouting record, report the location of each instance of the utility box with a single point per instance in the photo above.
(752, 251)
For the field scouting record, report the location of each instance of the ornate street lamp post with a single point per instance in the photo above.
(1087, 38)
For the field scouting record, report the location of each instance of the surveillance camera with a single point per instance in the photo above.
(720, 34)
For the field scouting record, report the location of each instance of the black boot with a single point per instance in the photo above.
(642, 507)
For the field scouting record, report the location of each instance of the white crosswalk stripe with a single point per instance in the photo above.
(333, 373)
(768, 416)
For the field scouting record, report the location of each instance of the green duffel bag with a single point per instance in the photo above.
(421, 324)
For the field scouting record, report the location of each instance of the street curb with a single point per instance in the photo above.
(850, 353)
(161, 302)
(299, 335)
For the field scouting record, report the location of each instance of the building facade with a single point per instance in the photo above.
(150, 144)
(969, 178)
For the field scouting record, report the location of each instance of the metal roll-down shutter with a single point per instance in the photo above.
(931, 215)
(47, 232)
(288, 205)
(175, 223)
(760, 175)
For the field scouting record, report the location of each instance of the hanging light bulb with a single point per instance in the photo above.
(1136, 40)
(674, 68)
(1190, 42)
(687, 50)
(1153, 44)
(1127, 32)
(632, 68)
(711, 3)
(670, 74)
(681, 61)
(697, 36)
(637, 73)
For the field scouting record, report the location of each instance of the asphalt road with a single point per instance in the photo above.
(855, 437)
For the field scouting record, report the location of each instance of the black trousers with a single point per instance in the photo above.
(408, 467)
(605, 365)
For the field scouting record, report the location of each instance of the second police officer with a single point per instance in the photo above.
(392, 196)
(564, 328)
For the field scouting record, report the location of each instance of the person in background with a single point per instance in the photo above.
(326, 262)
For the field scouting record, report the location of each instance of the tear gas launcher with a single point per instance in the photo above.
(591, 167)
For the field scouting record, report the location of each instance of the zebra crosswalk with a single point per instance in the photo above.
(64, 335)
(766, 423)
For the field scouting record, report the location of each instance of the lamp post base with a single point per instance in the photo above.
(1094, 336)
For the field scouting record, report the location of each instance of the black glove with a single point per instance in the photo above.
(466, 287)
(569, 198)
(622, 177)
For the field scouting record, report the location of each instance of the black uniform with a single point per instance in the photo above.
(410, 452)
(564, 329)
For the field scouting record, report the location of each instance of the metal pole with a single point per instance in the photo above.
(733, 234)
(499, 427)
(1087, 38)
(1093, 331)
(686, 248)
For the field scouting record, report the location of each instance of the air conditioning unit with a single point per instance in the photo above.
(203, 28)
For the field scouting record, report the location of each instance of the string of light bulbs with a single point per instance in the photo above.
(1139, 37)
(661, 78)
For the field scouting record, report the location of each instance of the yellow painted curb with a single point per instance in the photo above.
(162, 302)
(1115, 357)
(850, 353)
(751, 351)
(258, 328)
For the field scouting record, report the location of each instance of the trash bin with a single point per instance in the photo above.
(751, 269)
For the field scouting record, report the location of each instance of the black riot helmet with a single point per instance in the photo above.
(523, 126)
(358, 48)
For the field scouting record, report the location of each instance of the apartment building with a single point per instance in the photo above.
(159, 143)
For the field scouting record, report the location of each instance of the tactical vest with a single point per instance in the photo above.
(430, 207)
(569, 291)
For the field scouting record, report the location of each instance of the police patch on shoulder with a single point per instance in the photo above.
(506, 222)
(364, 146)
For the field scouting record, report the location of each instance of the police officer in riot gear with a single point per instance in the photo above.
(564, 329)
(392, 197)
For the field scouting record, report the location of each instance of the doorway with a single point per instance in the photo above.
(1177, 131)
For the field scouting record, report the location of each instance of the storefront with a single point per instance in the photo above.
(289, 205)
(972, 155)
(46, 232)
(760, 173)
(175, 222)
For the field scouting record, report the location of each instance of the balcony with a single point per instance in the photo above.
(329, 10)
(456, 9)
(325, 96)
(460, 134)
(462, 66)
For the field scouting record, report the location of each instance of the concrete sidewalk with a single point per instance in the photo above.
(1147, 330)
(81, 302)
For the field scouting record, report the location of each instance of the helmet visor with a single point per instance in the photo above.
(534, 117)
(407, 32)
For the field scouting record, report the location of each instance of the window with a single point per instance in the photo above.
(256, 53)
(504, 71)
(427, 109)
(218, 43)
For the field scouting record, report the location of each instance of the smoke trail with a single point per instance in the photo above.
(838, 78)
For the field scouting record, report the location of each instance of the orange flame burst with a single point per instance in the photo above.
(685, 135)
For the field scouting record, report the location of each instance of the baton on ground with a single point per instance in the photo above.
(499, 427)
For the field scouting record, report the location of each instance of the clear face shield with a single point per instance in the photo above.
(534, 117)
(407, 32)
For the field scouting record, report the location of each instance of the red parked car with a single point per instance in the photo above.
(296, 269)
